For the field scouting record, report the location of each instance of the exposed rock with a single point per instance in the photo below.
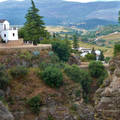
(56, 112)
(107, 98)
(74, 59)
(85, 112)
(4, 113)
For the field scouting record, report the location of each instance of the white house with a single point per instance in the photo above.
(6, 32)
(84, 50)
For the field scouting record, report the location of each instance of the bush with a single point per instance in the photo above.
(4, 77)
(79, 76)
(35, 103)
(19, 71)
(52, 76)
(117, 49)
(62, 50)
(96, 68)
(90, 56)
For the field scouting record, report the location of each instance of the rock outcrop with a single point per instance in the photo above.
(107, 98)
(4, 113)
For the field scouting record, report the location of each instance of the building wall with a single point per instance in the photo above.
(9, 35)
(4, 26)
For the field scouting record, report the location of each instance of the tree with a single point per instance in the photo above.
(34, 25)
(61, 49)
(93, 53)
(101, 57)
(119, 17)
(117, 49)
(67, 41)
(96, 68)
(75, 42)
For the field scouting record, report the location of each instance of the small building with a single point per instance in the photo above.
(84, 50)
(8, 33)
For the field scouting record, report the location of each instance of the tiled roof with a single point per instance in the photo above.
(2, 20)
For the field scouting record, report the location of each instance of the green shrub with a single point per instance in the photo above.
(117, 49)
(62, 50)
(52, 76)
(78, 93)
(35, 104)
(50, 117)
(90, 56)
(26, 55)
(97, 70)
(74, 107)
(4, 77)
(79, 76)
(107, 59)
(19, 71)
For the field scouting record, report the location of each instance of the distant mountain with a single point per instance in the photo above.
(59, 12)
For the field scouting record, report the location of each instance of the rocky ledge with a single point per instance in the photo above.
(107, 98)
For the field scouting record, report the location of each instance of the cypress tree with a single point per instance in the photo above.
(75, 42)
(119, 17)
(34, 25)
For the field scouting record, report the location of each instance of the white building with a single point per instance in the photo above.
(6, 32)
(84, 50)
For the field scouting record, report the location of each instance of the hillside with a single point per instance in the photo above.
(59, 12)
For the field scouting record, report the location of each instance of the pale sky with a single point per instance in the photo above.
(82, 1)
(86, 1)
(7, 0)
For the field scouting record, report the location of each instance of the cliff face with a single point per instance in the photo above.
(107, 98)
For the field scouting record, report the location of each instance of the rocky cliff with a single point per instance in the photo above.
(107, 98)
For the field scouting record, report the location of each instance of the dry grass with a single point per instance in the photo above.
(56, 29)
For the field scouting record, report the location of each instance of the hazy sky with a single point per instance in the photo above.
(9, 0)
(83, 1)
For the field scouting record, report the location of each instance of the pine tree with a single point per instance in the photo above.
(101, 57)
(75, 42)
(93, 53)
(34, 25)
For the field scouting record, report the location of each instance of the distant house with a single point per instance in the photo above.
(6, 32)
(85, 51)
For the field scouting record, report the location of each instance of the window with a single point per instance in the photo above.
(13, 34)
(4, 35)
(4, 26)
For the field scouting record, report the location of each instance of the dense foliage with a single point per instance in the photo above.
(75, 42)
(80, 76)
(35, 103)
(97, 70)
(52, 76)
(4, 77)
(61, 49)
(34, 26)
(117, 49)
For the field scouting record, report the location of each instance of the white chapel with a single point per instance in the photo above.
(8, 33)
